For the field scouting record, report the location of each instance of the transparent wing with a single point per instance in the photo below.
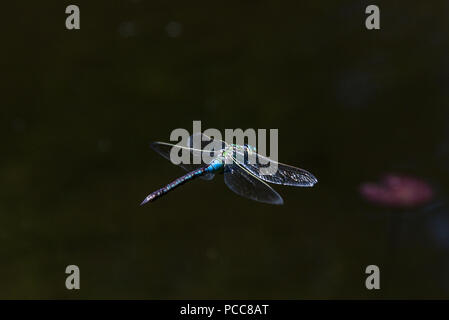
(275, 172)
(195, 156)
(244, 183)
(203, 142)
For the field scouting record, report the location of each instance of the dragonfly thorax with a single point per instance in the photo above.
(244, 148)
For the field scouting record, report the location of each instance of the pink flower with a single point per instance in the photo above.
(397, 191)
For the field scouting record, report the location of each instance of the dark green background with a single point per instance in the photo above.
(79, 109)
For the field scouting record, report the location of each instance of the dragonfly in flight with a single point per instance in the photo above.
(246, 178)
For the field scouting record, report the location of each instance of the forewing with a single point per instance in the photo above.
(164, 150)
(203, 142)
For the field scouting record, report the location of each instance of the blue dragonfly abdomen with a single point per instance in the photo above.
(215, 166)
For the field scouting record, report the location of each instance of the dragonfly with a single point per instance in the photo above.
(244, 177)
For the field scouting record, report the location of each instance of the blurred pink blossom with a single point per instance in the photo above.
(399, 191)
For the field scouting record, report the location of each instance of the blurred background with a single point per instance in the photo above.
(79, 109)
